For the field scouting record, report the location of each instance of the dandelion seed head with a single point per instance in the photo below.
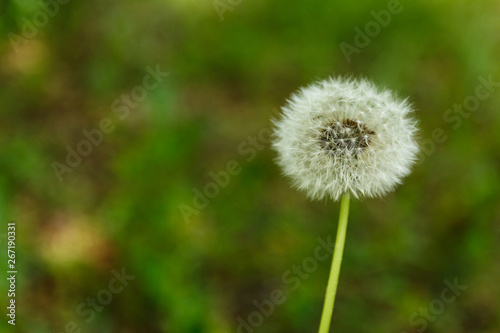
(342, 136)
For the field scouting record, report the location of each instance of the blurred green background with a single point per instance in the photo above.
(231, 65)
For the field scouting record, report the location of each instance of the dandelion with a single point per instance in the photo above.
(343, 137)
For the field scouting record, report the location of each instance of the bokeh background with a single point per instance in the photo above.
(120, 207)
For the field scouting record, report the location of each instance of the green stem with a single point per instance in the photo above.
(333, 280)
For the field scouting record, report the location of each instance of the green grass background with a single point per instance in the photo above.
(120, 207)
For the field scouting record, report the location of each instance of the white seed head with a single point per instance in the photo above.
(342, 136)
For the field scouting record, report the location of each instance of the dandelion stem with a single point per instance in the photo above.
(333, 280)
